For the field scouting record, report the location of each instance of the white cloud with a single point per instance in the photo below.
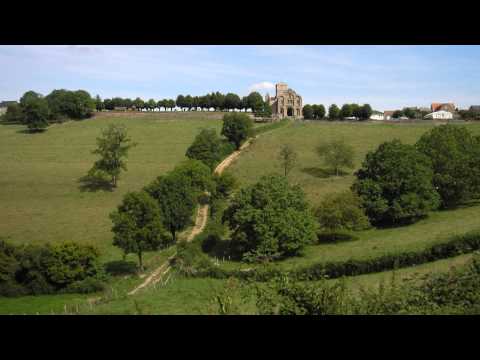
(264, 85)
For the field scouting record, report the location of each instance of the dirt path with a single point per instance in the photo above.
(200, 223)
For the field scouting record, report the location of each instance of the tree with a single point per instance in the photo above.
(225, 184)
(206, 147)
(180, 101)
(113, 147)
(14, 114)
(307, 112)
(188, 102)
(152, 104)
(395, 184)
(397, 114)
(29, 96)
(333, 112)
(409, 112)
(237, 128)
(356, 110)
(137, 225)
(232, 101)
(71, 104)
(218, 101)
(108, 104)
(454, 153)
(36, 113)
(342, 211)
(138, 103)
(176, 199)
(288, 158)
(319, 112)
(337, 154)
(171, 104)
(269, 220)
(255, 101)
(99, 103)
(198, 175)
(346, 111)
(365, 112)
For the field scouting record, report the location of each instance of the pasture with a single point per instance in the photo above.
(41, 196)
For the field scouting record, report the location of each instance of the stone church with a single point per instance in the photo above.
(285, 103)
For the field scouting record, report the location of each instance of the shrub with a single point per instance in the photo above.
(237, 128)
(333, 237)
(121, 267)
(455, 154)
(270, 219)
(225, 184)
(88, 285)
(341, 211)
(206, 147)
(395, 184)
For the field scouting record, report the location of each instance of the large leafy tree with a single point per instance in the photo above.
(36, 114)
(138, 103)
(319, 112)
(346, 111)
(113, 147)
(337, 154)
(270, 219)
(137, 225)
(255, 101)
(455, 155)
(206, 147)
(333, 112)
(237, 127)
(395, 184)
(364, 112)
(197, 174)
(177, 200)
(232, 101)
(307, 112)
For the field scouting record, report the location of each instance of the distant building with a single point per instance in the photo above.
(285, 103)
(475, 108)
(440, 115)
(4, 105)
(388, 114)
(120, 108)
(377, 116)
(450, 107)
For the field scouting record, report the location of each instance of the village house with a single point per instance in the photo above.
(450, 107)
(388, 114)
(440, 115)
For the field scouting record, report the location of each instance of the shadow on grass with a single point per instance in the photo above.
(322, 173)
(121, 267)
(31, 131)
(92, 184)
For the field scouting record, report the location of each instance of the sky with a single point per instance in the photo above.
(386, 77)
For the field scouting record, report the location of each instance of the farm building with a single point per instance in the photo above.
(442, 115)
(450, 107)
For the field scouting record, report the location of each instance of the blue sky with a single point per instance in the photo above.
(387, 77)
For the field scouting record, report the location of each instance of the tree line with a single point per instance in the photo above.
(38, 111)
(215, 100)
(318, 112)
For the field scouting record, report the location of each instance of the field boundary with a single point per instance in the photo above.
(456, 245)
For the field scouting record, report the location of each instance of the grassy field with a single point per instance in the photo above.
(310, 173)
(42, 200)
(40, 194)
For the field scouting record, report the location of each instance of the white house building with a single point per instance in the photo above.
(443, 115)
(377, 116)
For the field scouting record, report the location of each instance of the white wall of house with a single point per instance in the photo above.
(376, 117)
(444, 115)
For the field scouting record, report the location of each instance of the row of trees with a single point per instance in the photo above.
(215, 100)
(37, 111)
(151, 218)
(317, 112)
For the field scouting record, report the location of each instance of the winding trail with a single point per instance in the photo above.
(200, 223)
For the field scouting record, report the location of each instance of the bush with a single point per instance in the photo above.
(225, 184)
(341, 211)
(46, 269)
(206, 147)
(455, 155)
(237, 128)
(334, 237)
(395, 184)
(270, 219)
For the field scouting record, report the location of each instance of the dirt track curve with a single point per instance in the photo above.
(200, 223)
